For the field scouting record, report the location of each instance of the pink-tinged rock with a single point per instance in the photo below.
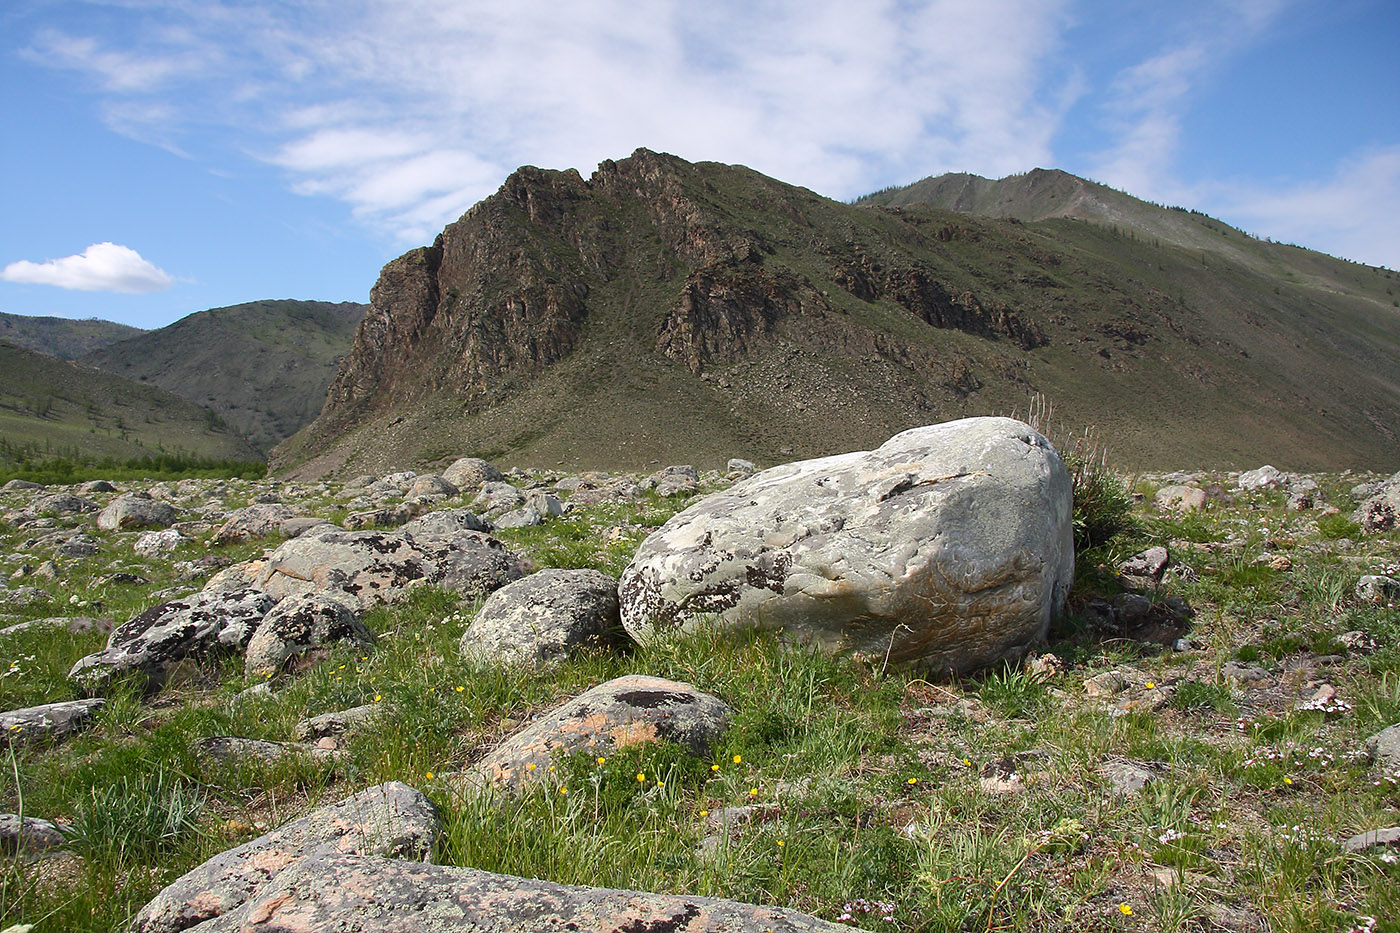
(386, 820)
(625, 711)
(358, 894)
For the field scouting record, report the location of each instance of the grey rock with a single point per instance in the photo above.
(135, 510)
(339, 722)
(548, 506)
(542, 619)
(256, 521)
(17, 485)
(949, 546)
(525, 517)
(48, 570)
(52, 722)
(1377, 588)
(446, 523)
(1148, 565)
(1238, 674)
(62, 503)
(1181, 498)
(1384, 748)
(1127, 778)
(1381, 512)
(299, 624)
(379, 566)
(234, 750)
(201, 625)
(499, 496)
(471, 473)
(78, 546)
(625, 711)
(675, 480)
(1266, 477)
(432, 486)
(359, 894)
(388, 820)
(75, 625)
(21, 836)
(1107, 684)
(737, 465)
(95, 486)
(156, 543)
(1131, 607)
(1390, 836)
(387, 517)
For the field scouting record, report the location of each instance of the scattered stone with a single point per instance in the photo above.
(30, 835)
(431, 487)
(677, 480)
(62, 503)
(135, 510)
(299, 624)
(499, 497)
(1381, 512)
(626, 711)
(1107, 684)
(1390, 836)
(48, 570)
(471, 473)
(1266, 477)
(1127, 778)
(737, 466)
(1130, 608)
(156, 543)
(337, 723)
(197, 626)
(52, 722)
(78, 546)
(388, 517)
(1146, 566)
(1237, 674)
(233, 750)
(255, 521)
(16, 485)
(388, 820)
(359, 894)
(1181, 645)
(446, 523)
(548, 506)
(525, 517)
(74, 625)
(95, 486)
(1384, 748)
(545, 618)
(1377, 588)
(378, 566)
(950, 546)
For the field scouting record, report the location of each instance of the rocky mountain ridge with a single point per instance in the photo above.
(660, 310)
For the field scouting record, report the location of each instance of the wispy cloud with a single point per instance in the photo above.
(410, 110)
(102, 267)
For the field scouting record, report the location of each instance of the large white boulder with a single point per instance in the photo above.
(949, 547)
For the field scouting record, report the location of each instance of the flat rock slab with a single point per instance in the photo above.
(625, 711)
(543, 619)
(201, 625)
(235, 750)
(359, 894)
(949, 547)
(337, 723)
(1384, 748)
(378, 567)
(51, 722)
(135, 511)
(386, 820)
(1390, 836)
(19, 836)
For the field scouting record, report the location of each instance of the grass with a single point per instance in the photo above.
(870, 796)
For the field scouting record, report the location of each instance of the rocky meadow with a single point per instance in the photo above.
(423, 702)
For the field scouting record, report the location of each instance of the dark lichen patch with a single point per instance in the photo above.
(654, 699)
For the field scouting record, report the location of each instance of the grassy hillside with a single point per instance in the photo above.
(61, 337)
(1229, 356)
(50, 408)
(262, 367)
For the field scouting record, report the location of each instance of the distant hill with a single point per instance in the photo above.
(661, 311)
(61, 337)
(263, 367)
(55, 408)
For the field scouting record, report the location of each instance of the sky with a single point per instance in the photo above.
(161, 157)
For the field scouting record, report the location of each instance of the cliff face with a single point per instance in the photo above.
(667, 310)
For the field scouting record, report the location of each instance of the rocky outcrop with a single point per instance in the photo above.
(299, 624)
(46, 724)
(1381, 511)
(388, 820)
(136, 510)
(949, 546)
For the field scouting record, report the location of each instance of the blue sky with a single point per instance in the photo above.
(166, 156)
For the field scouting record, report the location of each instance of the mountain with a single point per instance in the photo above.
(61, 337)
(662, 311)
(55, 408)
(262, 367)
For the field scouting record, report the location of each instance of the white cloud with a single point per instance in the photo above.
(1355, 213)
(102, 267)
